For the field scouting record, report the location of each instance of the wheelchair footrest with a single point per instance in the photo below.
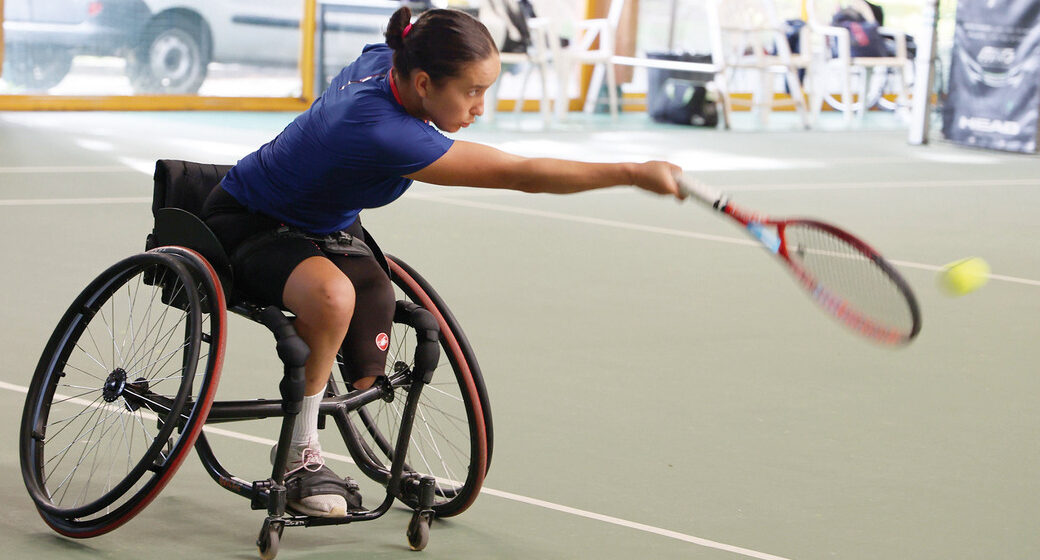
(270, 496)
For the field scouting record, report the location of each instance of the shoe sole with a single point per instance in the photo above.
(334, 512)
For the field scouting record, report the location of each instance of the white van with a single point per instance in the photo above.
(168, 44)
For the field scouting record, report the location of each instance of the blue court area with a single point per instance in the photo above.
(660, 388)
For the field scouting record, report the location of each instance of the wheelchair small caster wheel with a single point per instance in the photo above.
(419, 532)
(267, 542)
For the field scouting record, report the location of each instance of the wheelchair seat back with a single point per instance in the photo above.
(185, 184)
(180, 190)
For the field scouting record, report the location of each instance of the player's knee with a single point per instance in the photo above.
(334, 303)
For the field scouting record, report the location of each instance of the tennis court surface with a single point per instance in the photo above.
(660, 388)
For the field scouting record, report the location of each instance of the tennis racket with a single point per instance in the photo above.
(847, 278)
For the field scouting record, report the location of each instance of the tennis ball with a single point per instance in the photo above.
(964, 276)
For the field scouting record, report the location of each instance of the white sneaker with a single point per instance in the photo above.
(313, 489)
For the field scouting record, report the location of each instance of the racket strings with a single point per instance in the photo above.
(842, 271)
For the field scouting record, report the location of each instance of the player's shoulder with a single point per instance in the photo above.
(375, 58)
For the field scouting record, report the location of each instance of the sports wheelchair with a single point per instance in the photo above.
(127, 382)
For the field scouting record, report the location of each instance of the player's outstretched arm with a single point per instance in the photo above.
(470, 164)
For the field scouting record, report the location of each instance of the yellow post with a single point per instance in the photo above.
(624, 42)
(37, 102)
(307, 25)
(625, 39)
(593, 9)
(1, 37)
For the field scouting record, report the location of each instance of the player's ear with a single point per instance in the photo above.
(423, 83)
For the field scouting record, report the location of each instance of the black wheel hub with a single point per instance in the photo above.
(114, 385)
(388, 387)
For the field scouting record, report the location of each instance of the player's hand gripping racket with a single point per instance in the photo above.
(845, 276)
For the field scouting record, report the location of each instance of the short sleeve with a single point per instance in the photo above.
(405, 146)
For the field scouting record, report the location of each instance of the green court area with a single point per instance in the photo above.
(660, 388)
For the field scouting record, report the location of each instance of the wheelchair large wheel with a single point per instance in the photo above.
(122, 390)
(452, 434)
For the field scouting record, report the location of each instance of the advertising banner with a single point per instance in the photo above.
(994, 89)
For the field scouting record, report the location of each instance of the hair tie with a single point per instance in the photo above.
(407, 28)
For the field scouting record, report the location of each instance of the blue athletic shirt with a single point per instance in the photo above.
(347, 152)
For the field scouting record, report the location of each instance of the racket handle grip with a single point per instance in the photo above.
(702, 192)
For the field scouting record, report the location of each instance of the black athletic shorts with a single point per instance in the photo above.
(264, 253)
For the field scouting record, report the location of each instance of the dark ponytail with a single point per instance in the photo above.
(439, 43)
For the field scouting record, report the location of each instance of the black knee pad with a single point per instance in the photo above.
(368, 338)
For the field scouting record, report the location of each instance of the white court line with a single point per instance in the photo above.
(498, 493)
(586, 220)
(637, 526)
(934, 268)
(663, 231)
(75, 201)
(522, 211)
(142, 166)
(800, 186)
(469, 192)
(67, 169)
(928, 184)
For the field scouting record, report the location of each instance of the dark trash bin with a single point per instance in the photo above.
(680, 96)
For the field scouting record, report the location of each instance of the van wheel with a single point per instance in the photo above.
(172, 58)
(36, 67)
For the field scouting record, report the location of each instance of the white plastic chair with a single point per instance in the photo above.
(834, 60)
(749, 36)
(593, 43)
(540, 55)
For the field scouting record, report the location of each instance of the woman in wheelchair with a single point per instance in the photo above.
(288, 214)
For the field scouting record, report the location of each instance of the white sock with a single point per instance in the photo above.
(305, 434)
(305, 431)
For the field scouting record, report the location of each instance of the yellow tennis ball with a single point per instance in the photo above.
(964, 276)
